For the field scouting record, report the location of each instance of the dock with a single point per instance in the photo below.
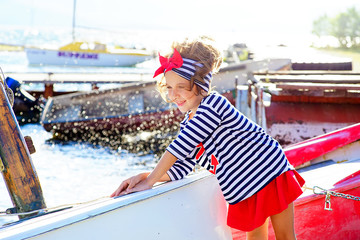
(49, 79)
(92, 78)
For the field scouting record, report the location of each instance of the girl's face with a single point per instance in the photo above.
(179, 92)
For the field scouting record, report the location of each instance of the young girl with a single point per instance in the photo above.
(254, 175)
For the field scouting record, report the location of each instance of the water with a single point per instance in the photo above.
(76, 172)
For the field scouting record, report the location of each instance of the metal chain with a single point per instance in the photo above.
(335, 194)
(328, 194)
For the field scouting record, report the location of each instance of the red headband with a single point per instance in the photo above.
(167, 64)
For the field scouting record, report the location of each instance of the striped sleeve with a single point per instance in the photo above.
(202, 125)
(180, 169)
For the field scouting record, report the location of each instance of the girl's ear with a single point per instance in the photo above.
(203, 93)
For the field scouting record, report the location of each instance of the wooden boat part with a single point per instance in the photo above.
(16, 166)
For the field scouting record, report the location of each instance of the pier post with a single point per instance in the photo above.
(15, 162)
(49, 90)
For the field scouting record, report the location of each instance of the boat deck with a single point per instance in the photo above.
(326, 174)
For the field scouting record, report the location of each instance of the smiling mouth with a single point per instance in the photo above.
(180, 103)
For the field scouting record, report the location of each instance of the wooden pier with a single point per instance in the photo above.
(92, 78)
(49, 79)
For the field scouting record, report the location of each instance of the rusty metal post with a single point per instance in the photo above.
(15, 162)
(49, 90)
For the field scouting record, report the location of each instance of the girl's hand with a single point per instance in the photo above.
(146, 180)
(141, 186)
(127, 185)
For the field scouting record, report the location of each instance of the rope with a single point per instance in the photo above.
(9, 92)
(3, 77)
(13, 211)
(307, 188)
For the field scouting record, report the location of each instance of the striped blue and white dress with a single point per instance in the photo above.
(240, 153)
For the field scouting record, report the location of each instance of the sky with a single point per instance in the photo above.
(258, 18)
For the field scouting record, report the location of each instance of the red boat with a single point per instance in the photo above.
(329, 208)
(294, 106)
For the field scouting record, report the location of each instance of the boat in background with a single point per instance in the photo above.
(238, 52)
(293, 106)
(80, 53)
(87, 54)
(105, 115)
(26, 107)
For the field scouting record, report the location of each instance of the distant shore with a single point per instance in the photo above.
(348, 53)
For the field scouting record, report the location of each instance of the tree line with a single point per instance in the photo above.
(345, 27)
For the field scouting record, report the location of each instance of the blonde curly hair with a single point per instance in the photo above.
(203, 50)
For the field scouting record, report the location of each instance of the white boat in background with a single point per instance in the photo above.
(87, 54)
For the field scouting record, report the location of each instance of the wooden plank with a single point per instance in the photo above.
(304, 72)
(338, 79)
(318, 86)
(17, 169)
(79, 77)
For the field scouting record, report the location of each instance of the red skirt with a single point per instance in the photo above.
(274, 198)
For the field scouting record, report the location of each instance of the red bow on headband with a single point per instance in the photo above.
(167, 64)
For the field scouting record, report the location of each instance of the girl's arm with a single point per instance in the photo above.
(165, 163)
(146, 180)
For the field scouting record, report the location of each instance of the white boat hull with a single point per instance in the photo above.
(177, 210)
(72, 58)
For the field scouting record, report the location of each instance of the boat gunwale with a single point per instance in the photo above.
(95, 208)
